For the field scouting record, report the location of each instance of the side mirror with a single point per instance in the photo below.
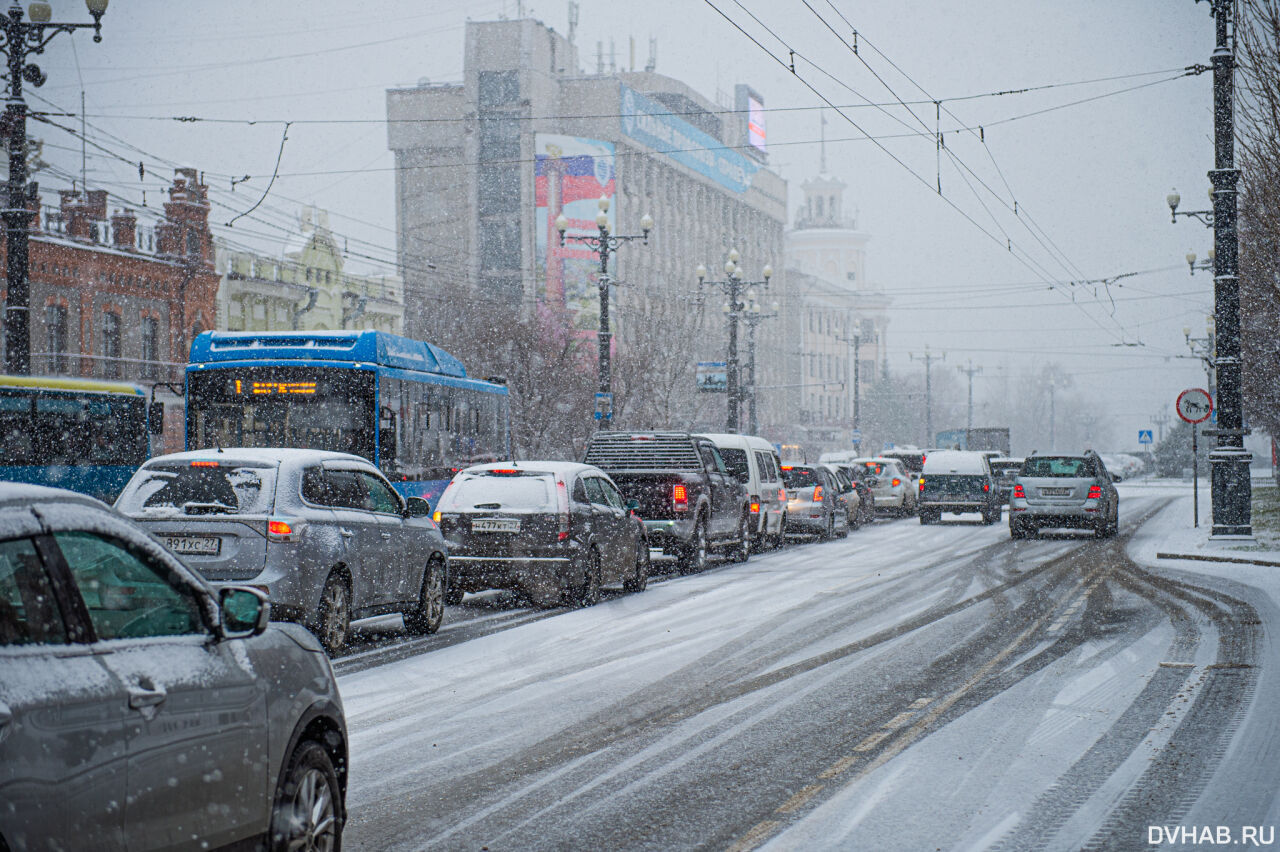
(416, 507)
(1115, 477)
(155, 418)
(633, 505)
(245, 611)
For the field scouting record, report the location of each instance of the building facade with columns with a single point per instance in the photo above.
(306, 287)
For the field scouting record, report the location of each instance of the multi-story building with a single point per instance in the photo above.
(485, 166)
(837, 317)
(120, 298)
(306, 287)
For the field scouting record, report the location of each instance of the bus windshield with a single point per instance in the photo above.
(317, 407)
(65, 428)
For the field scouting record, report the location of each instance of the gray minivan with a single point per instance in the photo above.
(322, 533)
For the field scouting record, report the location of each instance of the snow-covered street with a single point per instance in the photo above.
(906, 688)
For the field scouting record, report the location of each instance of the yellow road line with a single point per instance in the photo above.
(753, 837)
(798, 800)
(839, 766)
(873, 741)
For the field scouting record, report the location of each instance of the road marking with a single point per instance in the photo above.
(838, 767)
(753, 837)
(798, 800)
(873, 741)
(900, 720)
(920, 703)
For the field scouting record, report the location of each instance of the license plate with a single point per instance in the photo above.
(495, 525)
(793, 495)
(193, 545)
(1055, 492)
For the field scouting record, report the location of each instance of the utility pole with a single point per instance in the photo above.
(928, 358)
(1231, 489)
(736, 289)
(1160, 420)
(969, 371)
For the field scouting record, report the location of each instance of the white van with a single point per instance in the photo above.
(756, 465)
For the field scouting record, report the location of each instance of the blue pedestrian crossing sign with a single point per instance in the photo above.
(1144, 436)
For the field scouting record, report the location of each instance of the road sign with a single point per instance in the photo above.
(1195, 405)
(604, 406)
(1144, 436)
(712, 376)
(855, 437)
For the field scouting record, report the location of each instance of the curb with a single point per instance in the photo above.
(1201, 558)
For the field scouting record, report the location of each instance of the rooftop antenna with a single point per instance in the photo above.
(613, 57)
(653, 55)
(600, 57)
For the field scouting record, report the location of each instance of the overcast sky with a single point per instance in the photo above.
(1089, 179)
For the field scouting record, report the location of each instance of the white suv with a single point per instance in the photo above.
(753, 461)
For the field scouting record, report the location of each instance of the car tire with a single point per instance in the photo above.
(929, 516)
(990, 518)
(829, 531)
(308, 803)
(694, 556)
(780, 538)
(844, 530)
(741, 550)
(587, 591)
(1018, 531)
(333, 615)
(428, 615)
(638, 581)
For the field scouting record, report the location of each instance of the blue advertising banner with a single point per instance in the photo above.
(651, 123)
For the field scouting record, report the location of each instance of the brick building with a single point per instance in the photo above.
(121, 298)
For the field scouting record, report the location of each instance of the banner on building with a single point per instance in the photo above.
(651, 123)
(570, 176)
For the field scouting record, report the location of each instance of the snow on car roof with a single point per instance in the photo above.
(955, 461)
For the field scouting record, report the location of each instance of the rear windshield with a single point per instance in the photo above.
(872, 468)
(525, 490)
(200, 488)
(736, 461)
(800, 477)
(1066, 466)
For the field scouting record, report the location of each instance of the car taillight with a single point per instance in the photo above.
(895, 482)
(922, 485)
(680, 498)
(1095, 492)
(986, 486)
(283, 529)
(782, 495)
(755, 508)
(1019, 492)
(562, 498)
(817, 493)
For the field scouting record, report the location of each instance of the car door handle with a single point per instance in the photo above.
(345, 533)
(141, 697)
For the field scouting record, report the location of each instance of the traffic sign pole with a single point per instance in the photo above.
(1195, 406)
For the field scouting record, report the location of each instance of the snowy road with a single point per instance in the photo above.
(906, 688)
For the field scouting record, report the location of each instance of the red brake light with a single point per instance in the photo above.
(817, 493)
(562, 498)
(986, 486)
(782, 495)
(1019, 492)
(896, 482)
(755, 508)
(505, 471)
(680, 497)
(922, 483)
(1095, 492)
(279, 528)
(786, 467)
(204, 464)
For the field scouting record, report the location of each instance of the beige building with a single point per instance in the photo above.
(837, 317)
(486, 164)
(305, 288)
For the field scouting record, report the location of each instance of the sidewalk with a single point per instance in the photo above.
(1183, 541)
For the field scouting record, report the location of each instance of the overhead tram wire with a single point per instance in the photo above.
(791, 67)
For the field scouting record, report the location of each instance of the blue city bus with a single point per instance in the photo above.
(406, 405)
(85, 435)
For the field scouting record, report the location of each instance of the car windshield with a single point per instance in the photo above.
(200, 488)
(800, 477)
(736, 461)
(1064, 466)
(873, 468)
(491, 490)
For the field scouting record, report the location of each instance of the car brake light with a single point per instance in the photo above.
(986, 486)
(896, 482)
(680, 498)
(755, 508)
(782, 495)
(562, 497)
(1095, 492)
(204, 464)
(922, 483)
(505, 471)
(283, 529)
(817, 493)
(1019, 492)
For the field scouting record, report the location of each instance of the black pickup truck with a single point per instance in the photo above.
(688, 499)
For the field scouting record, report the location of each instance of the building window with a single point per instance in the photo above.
(150, 347)
(55, 329)
(498, 87)
(110, 346)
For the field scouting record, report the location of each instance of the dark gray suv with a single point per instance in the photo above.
(1075, 492)
(142, 709)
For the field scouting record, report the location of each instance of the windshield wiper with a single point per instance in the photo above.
(487, 506)
(194, 508)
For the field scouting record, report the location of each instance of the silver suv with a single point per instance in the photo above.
(1064, 491)
(323, 534)
(142, 709)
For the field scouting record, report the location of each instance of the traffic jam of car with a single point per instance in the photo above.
(218, 563)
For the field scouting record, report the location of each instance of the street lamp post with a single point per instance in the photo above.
(753, 317)
(734, 287)
(1229, 461)
(1204, 264)
(1205, 348)
(604, 243)
(969, 371)
(19, 39)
